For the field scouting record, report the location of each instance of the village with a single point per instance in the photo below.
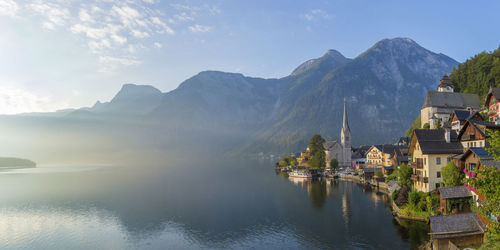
(446, 173)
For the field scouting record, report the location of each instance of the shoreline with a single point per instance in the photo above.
(383, 188)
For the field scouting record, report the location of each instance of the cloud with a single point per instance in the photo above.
(17, 100)
(8, 8)
(315, 15)
(113, 29)
(199, 28)
(111, 63)
(158, 45)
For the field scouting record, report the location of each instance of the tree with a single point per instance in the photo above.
(334, 163)
(404, 175)
(451, 175)
(439, 124)
(318, 157)
(293, 161)
(403, 196)
(415, 125)
(427, 126)
(379, 173)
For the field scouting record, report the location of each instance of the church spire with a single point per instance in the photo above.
(345, 124)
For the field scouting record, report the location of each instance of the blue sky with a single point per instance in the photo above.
(59, 54)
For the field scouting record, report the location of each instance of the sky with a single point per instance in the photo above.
(59, 54)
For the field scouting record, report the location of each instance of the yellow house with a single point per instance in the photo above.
(431, 150)
(380, 155)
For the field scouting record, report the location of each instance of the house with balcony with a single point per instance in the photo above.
(380, 156)
(460, 116)
(492, 104)
(431, 150)
(474, 133)
(471, 161)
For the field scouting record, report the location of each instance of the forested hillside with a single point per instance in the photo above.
(478, 74)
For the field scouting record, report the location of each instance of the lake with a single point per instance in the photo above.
(192, 205)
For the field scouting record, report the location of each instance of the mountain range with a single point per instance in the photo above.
(384, 88)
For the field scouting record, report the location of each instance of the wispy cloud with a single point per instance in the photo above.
(315, 14)
(18, 100)
(114, 31)
(158, 45)
(8, 8)
(199, 28)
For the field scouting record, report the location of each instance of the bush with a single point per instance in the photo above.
(413, 198)
(395, 194)
(403, 196)
(379, 174)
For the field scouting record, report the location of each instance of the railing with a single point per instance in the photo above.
(468, 137)
(420, 178)
(417, 164)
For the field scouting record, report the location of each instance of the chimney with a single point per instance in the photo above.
(447, 136)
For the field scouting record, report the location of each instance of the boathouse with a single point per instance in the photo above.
(457, 230)
(454, 199)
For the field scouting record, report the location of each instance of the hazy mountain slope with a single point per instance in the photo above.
(384, 89)
(132, 99)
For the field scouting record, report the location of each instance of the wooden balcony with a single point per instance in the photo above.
(468, 137)
(420, 178)
(417, 165)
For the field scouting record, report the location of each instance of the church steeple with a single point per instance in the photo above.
(345, 133)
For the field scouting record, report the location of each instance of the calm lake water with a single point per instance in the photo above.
(192, 206)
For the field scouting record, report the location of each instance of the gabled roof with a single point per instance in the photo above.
(451, 100)
(477, 125)
(493, 92)
(330, 144)
(454, 192)
(432, 141)
(450, 226)
(490, 163)
(462, 114)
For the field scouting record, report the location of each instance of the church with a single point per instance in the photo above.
(341, 151)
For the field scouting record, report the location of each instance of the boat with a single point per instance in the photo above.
(300, 174)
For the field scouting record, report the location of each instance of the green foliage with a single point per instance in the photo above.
(494, 142)
(487, 184)
(404, 175)
(403, 196)
(415, 125)
(393, 176)
(429, 205)
(439, 124)
(379, 173)
(478, 74)
(318, 157)
(451, 175)
(413, 198)
(293, 162)
(334, 163)
(427, 126)
(395, 194)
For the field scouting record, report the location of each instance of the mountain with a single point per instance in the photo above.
(131, 99)
(384, 88)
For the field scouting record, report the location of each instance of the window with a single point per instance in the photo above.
(438, 174)
(425, 162)
(448, 159)
(472, 166)
(437, 185)
(438, 160)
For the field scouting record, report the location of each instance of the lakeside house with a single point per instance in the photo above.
(431, 150)
(458, 230)
(440, 104)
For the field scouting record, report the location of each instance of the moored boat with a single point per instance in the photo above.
(300, 174)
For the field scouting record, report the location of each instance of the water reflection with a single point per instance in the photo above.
(217, 205)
